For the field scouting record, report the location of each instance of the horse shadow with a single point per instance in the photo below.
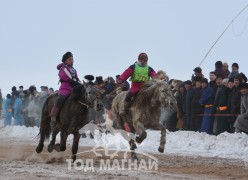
(102, 136)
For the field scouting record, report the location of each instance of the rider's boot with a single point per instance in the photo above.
(125, 109)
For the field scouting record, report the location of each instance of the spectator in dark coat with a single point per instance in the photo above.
(241, 124)
(197, 109)
(197, 73)
(181, 105)
(212, 83)
(207, 100)
(235, 70)
(189, 95)
(234, 101)
(231, 119)
(236, 95)
(218, 69)
(220, 108)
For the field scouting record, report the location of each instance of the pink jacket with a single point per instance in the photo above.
(66, 73)
(135, 86)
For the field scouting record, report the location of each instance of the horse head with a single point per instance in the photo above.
(165, 95)
(93, 96)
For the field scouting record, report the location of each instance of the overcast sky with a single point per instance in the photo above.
(106, 37)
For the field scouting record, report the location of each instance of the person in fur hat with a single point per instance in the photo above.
(90, 79)
(99, 81)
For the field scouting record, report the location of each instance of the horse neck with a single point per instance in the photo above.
(147, 100)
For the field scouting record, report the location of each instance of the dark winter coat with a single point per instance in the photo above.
(196, 111)
(220, 108)
(235, 102)
(207, 99)
(181, 103)
(242, 120)
(213, 85)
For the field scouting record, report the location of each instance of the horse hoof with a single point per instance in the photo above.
(134, 156)
(91, 136)
(133, 147)
(57, 147)
(50, 148)
(39, 148)
(83, 135)
(139, 140)
(62, 148)
(141, 137)
(161, 150)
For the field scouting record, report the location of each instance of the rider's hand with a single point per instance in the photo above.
(119, 81)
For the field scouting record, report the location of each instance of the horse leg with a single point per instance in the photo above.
(52, 142)
(140, 132)
(162, 139)
(63, 139)
(74, 148)
(132, 148)
(40, 146)
(44, 133)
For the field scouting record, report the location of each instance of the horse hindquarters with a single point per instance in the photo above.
(45, 127)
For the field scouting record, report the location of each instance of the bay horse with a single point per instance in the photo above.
(72, 117)
(147, 110)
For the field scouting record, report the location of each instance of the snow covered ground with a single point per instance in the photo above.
(183, 143)
(188, 155)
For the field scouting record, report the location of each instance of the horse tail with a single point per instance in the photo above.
(48, 132)
(37, 135)
(45, 127)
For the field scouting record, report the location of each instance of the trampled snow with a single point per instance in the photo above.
(184, 143)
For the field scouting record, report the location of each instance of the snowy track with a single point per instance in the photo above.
(188, 155)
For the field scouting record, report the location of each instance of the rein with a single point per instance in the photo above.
(80, 102)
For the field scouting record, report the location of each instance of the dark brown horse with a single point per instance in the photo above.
(72, 117)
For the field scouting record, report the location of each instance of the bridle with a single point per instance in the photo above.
(90, 100)
(80, 102)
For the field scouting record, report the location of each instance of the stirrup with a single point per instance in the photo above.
(53, 119)
(123, 112)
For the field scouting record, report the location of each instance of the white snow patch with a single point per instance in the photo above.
(225, 145)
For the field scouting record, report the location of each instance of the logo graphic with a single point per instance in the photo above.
(112, 152)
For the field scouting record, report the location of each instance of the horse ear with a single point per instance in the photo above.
(85, 84)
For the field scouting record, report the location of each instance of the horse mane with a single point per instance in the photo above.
(78, 92)
(148, 93)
